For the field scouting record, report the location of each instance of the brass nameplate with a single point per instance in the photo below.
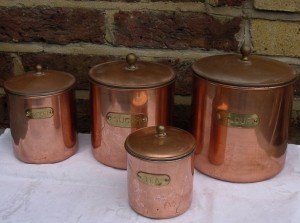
(238, 120)
(39, 113)
(154, 179)
(127, 120)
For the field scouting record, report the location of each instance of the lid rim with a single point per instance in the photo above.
(245, 85)
(128, 88)
(40, 94)
(12, 83)
(103, 83)
(191, 149)
(162, 159)
(252, 70)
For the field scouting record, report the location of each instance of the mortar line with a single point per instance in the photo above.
(105, 5)
(105, 50)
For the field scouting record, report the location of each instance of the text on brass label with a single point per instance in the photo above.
(39, 113)
(238, 120)
(154, 179)
(127, 120)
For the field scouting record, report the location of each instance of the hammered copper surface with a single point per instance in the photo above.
(160, 143)
(40, 82)
(153, 198)
(250, 153)
(246, 70)
(107, 139)
(42, 138)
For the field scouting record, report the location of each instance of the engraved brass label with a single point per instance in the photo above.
(127, 120)
(154, 179)
(39, 113)
(238, 120)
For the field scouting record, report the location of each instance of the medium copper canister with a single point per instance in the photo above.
(241, 106)
(42, 113)
(125, 96)
(160, 170)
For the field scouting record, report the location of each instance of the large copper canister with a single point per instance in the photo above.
(160, 170)
(241, 111)
(42, 115)
(126, 96)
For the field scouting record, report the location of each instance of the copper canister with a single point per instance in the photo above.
(125, 96)
(42, 115)
(160, 170)
(241, 107)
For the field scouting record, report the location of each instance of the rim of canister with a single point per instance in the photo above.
(160, 143)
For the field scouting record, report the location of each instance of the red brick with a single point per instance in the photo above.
(178, 1)
(175, 30)
(297, 83)
(6, 66)
(109, 0)
(297, 86)
(230, 2)
(51, 25)
(184, 74)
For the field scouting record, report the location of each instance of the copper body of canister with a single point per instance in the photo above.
(241, 132)
(118, 112)
(160, 189)
(43, 127)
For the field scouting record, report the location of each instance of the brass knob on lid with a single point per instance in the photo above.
(160, 131)
(245, 51)
(131, 60)
(39, 69)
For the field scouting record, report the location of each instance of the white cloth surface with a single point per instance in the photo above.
(80, 189)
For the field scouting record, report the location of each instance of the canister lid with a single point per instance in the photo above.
(131, 74)
(160, 143)
(40, 82)
(244, 70)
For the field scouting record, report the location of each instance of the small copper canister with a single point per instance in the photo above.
(160, 170)
(126, 96)
(42, 115)
(241, 108)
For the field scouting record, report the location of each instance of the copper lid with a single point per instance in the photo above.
(40, 82)
(244, 70)
(160, 143)
(131, 74)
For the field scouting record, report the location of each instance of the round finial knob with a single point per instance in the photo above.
(160, 130)
(245, 51)
(131, 60)
(39, 69)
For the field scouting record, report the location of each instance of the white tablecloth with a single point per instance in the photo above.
(80, 189)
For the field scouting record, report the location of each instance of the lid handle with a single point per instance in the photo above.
(131, 60)
(39, 70)
(161, 131)
(245, 51)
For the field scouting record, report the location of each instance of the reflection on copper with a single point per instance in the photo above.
(96, 125)
(46, 140)
(218, 133)
(241, 154)
(168, 200)
(139, 98)
(108, 140)
(198, 105)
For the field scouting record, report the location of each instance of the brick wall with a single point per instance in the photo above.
(75, 35)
